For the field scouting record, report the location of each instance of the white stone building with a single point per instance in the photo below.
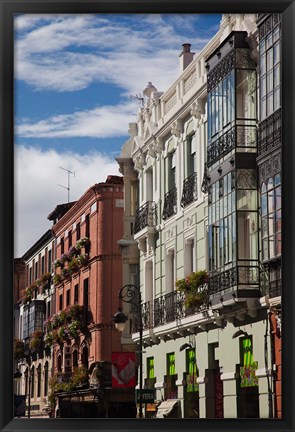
(210, 357)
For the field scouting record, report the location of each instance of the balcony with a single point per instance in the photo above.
(63, 377)
(146, 216)
(190, 190)
(236, 278)
(147, 317)
(275, 288)
(242, 138)
(170, 204)
(171, 307)
(270, 131)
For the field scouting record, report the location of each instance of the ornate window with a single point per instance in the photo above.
(271, 218)
(270, 76)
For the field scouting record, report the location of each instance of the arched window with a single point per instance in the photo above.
(39, 381)
(59, 363)
(75, 358)
(32, 381)
(85, 356)
(46, 379)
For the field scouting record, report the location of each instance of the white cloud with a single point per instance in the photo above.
(100, 122)
(69, 53)
(37, 175)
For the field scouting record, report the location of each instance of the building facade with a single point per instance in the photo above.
(33, 359)
(269, 174)
(87, 279)
(195, 153)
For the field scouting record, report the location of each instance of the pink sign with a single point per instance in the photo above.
(123, 369)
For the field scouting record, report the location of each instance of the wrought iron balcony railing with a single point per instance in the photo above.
(146, 216)
(270, 131)
(239, 136)
(239, 275)
(146, 315)
(63, 377)
(170, 204)
(171, 307)
(275, 288)
(190, 190)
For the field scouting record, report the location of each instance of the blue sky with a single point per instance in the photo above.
(74, 75)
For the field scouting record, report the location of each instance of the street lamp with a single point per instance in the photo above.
(28, 381)
(131, 294)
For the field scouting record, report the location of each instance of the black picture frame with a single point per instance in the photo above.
(7, 10)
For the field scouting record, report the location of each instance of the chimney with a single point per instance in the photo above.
(186, 56)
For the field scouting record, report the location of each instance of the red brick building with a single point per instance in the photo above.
(88, 272)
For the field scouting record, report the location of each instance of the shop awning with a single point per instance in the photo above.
(165, 408)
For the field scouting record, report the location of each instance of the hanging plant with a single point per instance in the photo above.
(65, 258)
(49, 339)
(57, 278)
(18, 349)
(192, 287)
(75, 311)
(73, 265)
(73, 328)
(57, 263)
(82, 259)
(82, 242)
(73, 251)
(56, 321)
(36, 341)
(65, 273)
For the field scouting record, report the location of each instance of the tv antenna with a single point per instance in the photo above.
(67, 187)
(138, 97)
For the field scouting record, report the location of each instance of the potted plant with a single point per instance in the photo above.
(82, 259)
(57, 278)
(36, 341)
(76, 311)
(73, 265)
(192, 286)
(18, 349)
(73, 328)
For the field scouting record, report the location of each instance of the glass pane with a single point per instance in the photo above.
(270, 183)
(263, 86)
(263, 108)
(262, 64)
(271, 224)
(270, 103)
(278, 244)
(277, 98)
(277, 77)
(278, 221)
(265, 249)
(246, 200)
(278, 195)
(220, 115)
(277, 179)
(276, 33)
(271, 247)
(269, 59)
(264, 227)
(271, 201)
(263, 188)
(269, 83)
(246, 94)
(247, 235)
(262, 46)
(268, 40)
(264, 205)
(276, 53)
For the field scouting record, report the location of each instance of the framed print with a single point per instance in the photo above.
(147, 215)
